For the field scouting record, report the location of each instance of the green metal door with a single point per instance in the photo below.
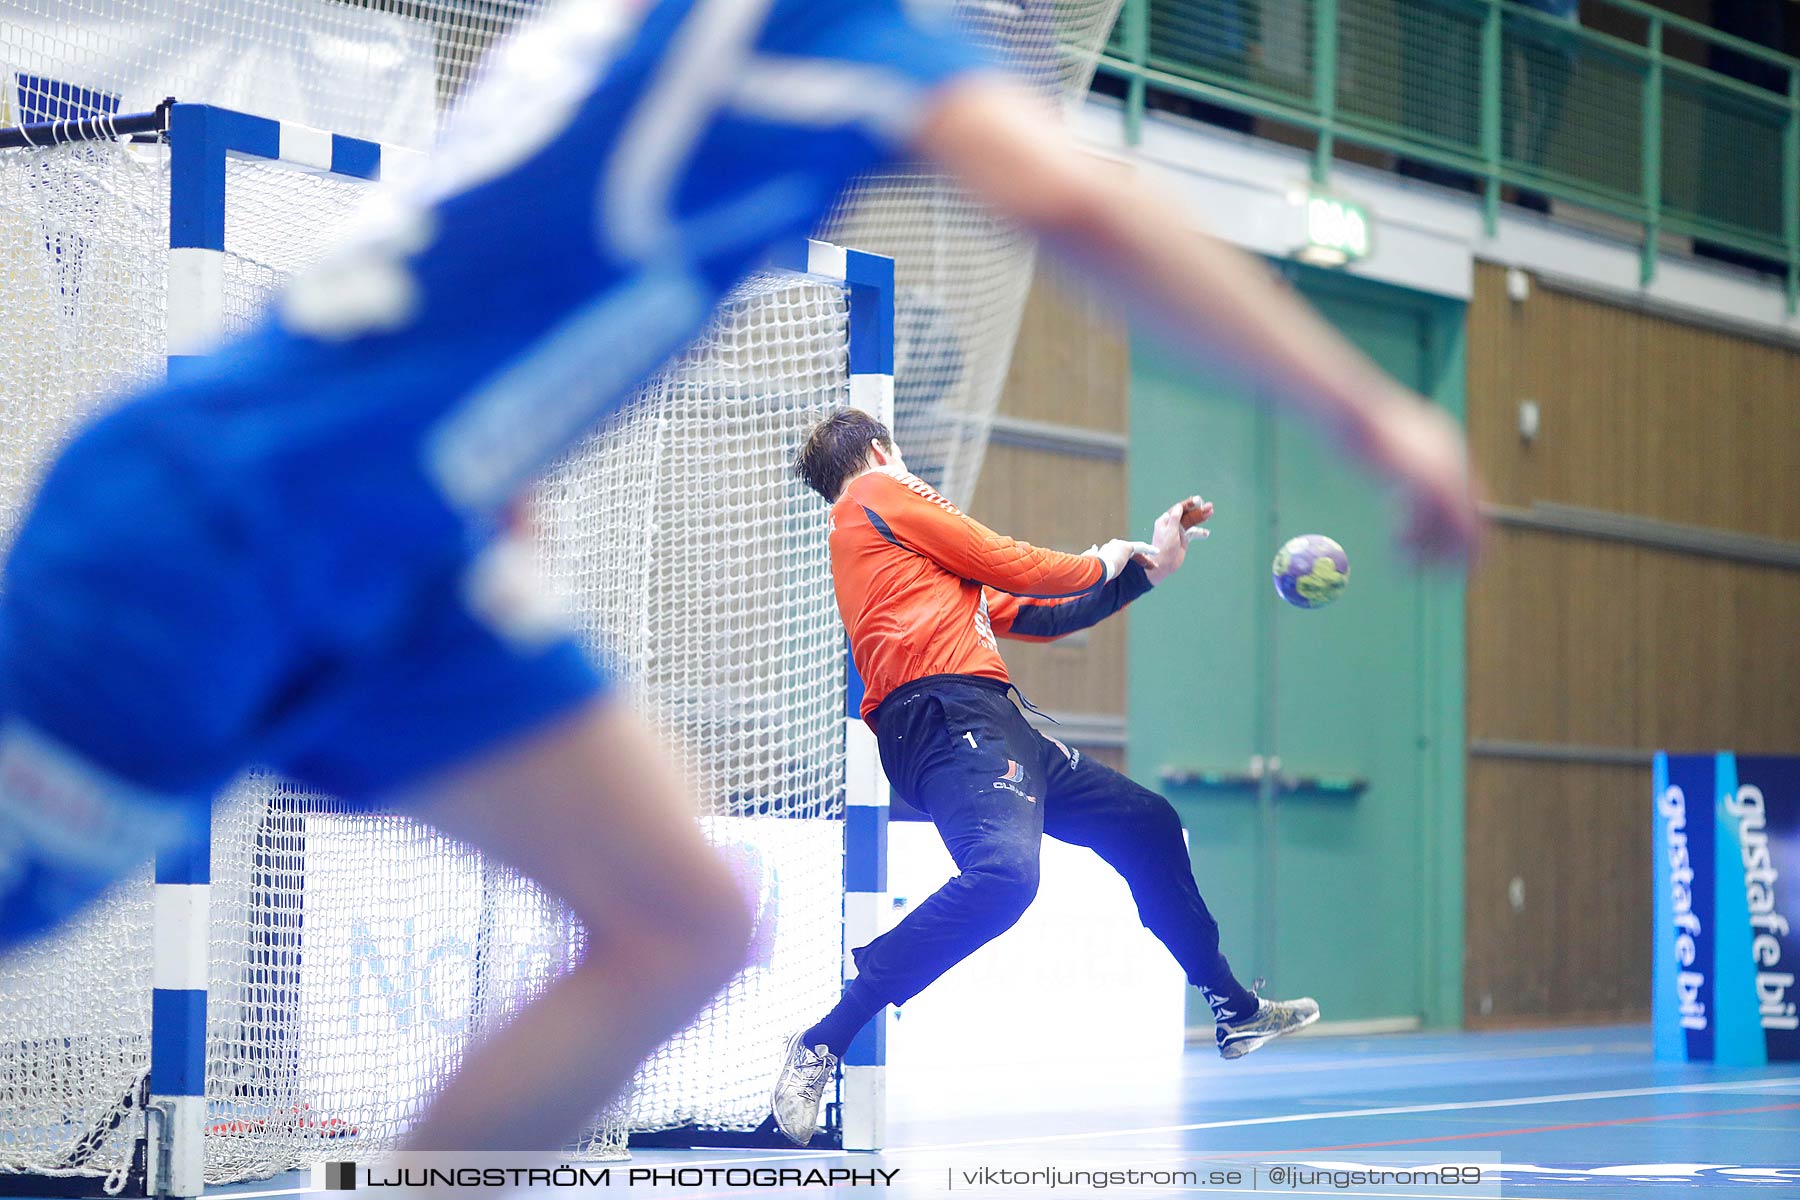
(1194, 690)
(1305, 750)
(1344, 733)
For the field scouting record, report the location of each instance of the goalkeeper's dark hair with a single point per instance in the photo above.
(837, 450)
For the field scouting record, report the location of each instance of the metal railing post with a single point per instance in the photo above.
(1498, 159)
(1790, 191)
(1491, 126)
(1652, 154)
(1137, 49)
(1325, 54)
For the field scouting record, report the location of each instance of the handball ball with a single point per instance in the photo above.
(1311, 571)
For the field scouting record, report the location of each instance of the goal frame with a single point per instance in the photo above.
(201, 137)
(857, 1119)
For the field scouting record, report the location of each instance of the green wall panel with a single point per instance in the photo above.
(1356, 900)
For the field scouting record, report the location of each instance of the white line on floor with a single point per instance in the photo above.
(1363, 1063)
(1390, 1111)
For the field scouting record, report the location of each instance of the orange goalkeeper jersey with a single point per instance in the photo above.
(925, 590)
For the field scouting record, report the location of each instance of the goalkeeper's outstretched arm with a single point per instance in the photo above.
(1027, 620)
(908, 513)
(1033, 620)
(1211, 298)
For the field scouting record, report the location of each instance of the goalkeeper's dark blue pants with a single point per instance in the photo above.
(956, 747)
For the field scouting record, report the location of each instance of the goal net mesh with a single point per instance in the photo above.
(961, 272)
(393, 70)
(355, 955)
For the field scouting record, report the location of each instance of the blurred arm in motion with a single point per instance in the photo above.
(1211, 300)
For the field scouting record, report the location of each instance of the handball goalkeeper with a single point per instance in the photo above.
(924, 591)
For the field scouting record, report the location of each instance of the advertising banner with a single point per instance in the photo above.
(1727, 894)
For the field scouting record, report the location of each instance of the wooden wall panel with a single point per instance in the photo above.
(1064, 502)
(1577, 642)
(1071, 367)
(1640, 414)
(1072, 364)
(1577, 943)
(1604, 644)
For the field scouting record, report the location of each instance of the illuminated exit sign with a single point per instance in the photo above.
(1334, 231)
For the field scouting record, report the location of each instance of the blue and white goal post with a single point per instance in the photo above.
(862, 1083)
(201, 137)
(198, 140)
(857, 1120)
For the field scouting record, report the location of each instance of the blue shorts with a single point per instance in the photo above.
(145, 642)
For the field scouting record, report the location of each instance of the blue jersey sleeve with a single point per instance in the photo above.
(867, 60)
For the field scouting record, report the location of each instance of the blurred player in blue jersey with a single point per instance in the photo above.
(294, 554)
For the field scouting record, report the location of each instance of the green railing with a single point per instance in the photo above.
(1622, 116)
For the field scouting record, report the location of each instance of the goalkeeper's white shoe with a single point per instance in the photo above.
(1271, 1019)
(800, 1089)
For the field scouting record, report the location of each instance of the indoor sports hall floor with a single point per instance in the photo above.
(1577, 1113)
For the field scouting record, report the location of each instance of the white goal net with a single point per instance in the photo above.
(392, 70)
(961, 274)
(354, 956)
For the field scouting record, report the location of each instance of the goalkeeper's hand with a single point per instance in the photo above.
(1116, 553)
(1171, 537)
